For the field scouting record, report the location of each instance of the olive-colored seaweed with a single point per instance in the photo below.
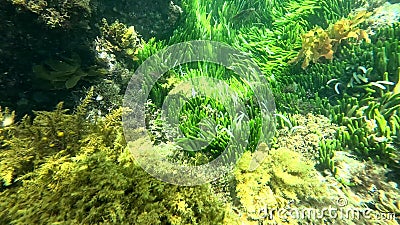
(318, 43)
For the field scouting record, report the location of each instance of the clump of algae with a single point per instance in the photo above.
(284, 177)
(318, 43)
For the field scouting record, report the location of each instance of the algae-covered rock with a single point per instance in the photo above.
(58, 14)
(66, 168)
(283, 177)
(117, 42)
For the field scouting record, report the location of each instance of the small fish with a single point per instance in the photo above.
(363, 69)
(376, 84)
(331, 80)
(337, 88)
(194, 92)
(269, 51)
(385, 82)
(243, 14)
(99, 98)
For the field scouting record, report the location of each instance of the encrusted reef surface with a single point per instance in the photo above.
(36, 34)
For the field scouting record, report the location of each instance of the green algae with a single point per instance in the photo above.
(85, 163)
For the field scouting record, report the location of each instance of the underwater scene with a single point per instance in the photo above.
(200, 112)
